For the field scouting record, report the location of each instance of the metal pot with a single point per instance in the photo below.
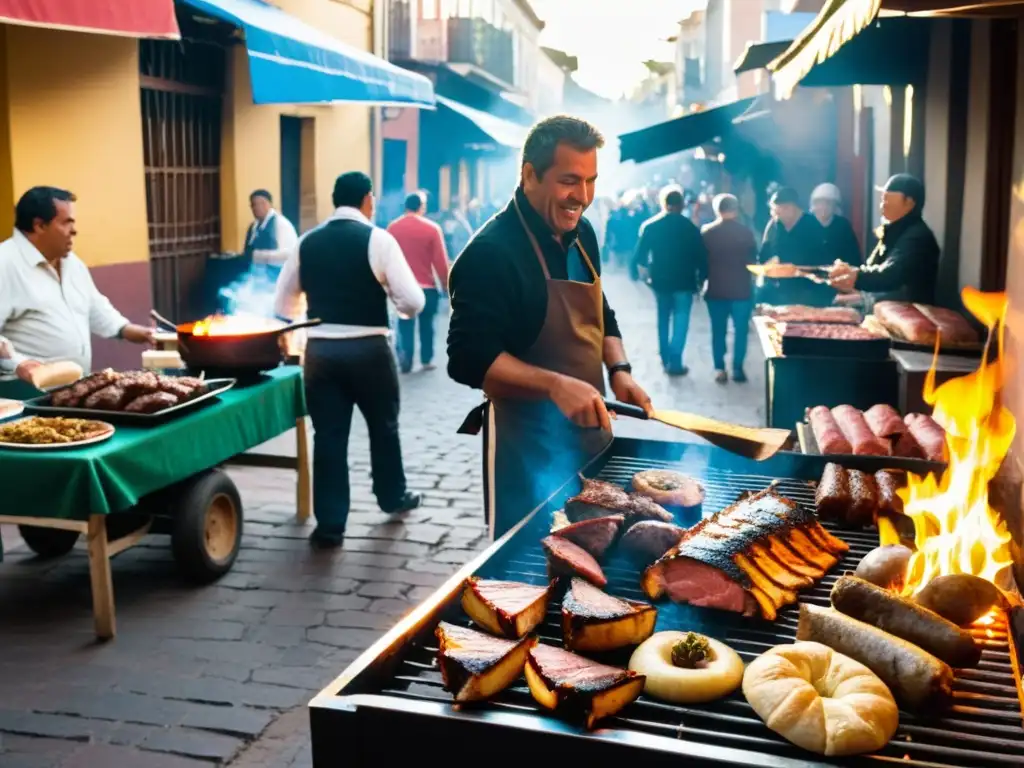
(257, 351)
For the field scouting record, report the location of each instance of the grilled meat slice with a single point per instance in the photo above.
(74, 395)
(593, 620)
(595, 535)
(567, 559)
(650, 539)
(597, 499)
(642, 508)
(507, 608)
(476, 666)
(151, 403)
(574, 686)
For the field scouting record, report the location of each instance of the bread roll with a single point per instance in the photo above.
(821, 700)
(50, 375)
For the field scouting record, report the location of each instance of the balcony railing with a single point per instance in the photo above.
(477, 42)
(401, 26)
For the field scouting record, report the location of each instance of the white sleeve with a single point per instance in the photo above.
(288, 298)
(104, 320)
(9, 357)
(394, 273)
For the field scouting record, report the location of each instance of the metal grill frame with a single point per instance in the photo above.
(354, 717)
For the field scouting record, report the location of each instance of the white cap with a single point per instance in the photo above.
(826, 192)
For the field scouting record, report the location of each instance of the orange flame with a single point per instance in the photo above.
(233, 325)
(956, 530)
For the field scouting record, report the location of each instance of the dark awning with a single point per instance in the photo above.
(502, 132)
(680, 134)
(291, 62)
(149, 18)
(760, 55)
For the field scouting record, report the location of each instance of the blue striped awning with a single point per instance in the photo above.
(291, 62)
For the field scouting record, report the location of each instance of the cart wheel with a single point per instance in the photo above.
(48, 542)
(207, 526)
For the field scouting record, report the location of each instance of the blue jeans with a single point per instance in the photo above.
(720, 310)
(407, 332)
(673, 325)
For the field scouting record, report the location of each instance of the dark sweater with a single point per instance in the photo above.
(731, 247)
(498, 291)
(672, 250)
(904, 264)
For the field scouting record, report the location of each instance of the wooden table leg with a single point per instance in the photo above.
(99, 574)
(304, 491)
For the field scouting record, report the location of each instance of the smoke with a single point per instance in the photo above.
(252, 294)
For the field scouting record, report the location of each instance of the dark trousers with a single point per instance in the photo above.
(673, 326)
(407, 332)
(339, 375)
(720, 310)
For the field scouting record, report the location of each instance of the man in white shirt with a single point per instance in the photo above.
(49, 304)
(271, 237)
(347, 269)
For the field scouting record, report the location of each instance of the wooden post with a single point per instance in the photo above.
(99, 574)
(304, 490)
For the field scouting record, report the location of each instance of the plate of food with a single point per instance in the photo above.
(10, 408)
(40, 433)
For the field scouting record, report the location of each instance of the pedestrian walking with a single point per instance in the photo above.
(731, 247)
(347, 268)
(422, 242)
(672, 257)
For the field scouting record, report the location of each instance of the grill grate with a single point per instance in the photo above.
(982, 729)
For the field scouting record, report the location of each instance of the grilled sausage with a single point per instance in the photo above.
(889, 502)
(863, 498)
(832, 499)
(827, 433)
(884, 421)
(906, 619)
(855, 428)
(181, 392)
(929, 434)
(109, 398)
(151, 403)
(917, 679)
(80, 390)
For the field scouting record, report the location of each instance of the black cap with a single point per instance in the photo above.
(786, 196)
(908, 185)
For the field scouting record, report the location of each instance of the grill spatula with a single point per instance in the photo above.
(757, 443)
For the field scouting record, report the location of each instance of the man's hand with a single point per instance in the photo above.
(138, 334)
(24, 371)
(580, 402)
(628, 391)
(843, 278)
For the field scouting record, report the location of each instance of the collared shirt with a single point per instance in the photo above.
(498, 290)
(389, 267)
(48, 316)
(284, 233)
(422, 242)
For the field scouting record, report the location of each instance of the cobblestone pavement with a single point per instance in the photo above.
(221, 674)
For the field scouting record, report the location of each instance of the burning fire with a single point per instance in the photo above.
(956, 531)
(233, 325)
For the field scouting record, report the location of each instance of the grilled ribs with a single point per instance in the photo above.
(750, 558)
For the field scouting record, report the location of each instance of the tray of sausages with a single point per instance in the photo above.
(874, 439)
(833, 340)
(133, 398)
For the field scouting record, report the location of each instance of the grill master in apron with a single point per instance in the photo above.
(530, 448)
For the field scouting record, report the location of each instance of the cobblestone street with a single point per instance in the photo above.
(222, 674)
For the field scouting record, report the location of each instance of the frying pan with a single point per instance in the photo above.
(257, 351)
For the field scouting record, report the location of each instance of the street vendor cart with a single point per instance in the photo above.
(161, 478)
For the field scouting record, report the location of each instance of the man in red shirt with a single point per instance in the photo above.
(422, 242)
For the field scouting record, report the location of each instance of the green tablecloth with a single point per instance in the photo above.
(111, 476)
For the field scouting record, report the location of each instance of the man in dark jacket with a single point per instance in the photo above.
(731, 247)
(793, 237)
(905, 263)
(672, 254)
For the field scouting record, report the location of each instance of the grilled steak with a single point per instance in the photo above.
(748, 558)
(108, 398)
(74, 395)
(597, 499)
(643, 508)
(650, 539)
(593, 620)
(507, 608)
(476, 666)
(566, 558)
(151, 403)
(595, 535)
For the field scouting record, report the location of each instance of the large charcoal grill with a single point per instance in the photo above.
(390, 703)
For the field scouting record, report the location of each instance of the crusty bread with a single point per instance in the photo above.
(821, 700)
(50, 375)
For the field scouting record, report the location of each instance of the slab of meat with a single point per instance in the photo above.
(799, 313)
(650, 539)
(832, 498)
(953, 327)
(829, 331)
(855, 429)
(151, 403)
(889, 502)
(566, 558)
(749, 558)
(863, 498)
(905, 321)
(884, 421)
(108, 398)
(600, 499)
(907, 447)
(643, 508)
(929, 434)
(74, 395)
(827, 434)
(595, 535)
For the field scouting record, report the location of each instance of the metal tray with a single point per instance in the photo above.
(40, 405)
(860, 349)
(809, 446)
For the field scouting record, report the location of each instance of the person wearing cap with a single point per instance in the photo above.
(838, 238)
(905, 263)
(792, 239)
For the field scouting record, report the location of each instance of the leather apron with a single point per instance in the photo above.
(530, 448)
